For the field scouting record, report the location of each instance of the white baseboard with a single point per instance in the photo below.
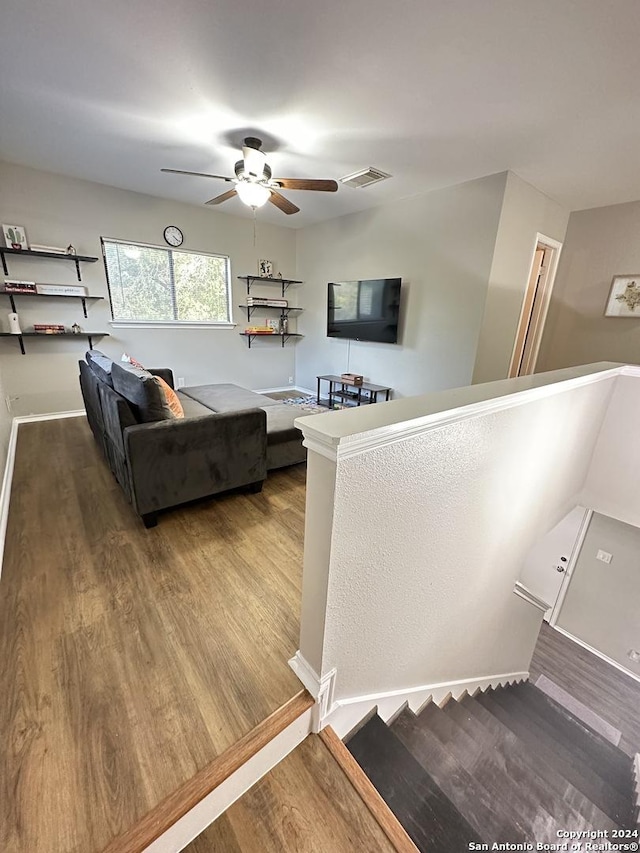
(347, 713)
(636, 779)
(218, 801)
(5, 492)
(344, 714)
(285, 388)
(596, 652)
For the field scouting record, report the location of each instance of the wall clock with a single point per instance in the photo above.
(173, 235)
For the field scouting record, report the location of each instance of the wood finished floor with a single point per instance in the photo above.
(613, 695)
(131, 658)
(304, 805)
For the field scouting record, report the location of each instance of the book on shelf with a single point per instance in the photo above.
(14, 285)
(48, 329)
(61, 290)
(259, 330)
(253, 301)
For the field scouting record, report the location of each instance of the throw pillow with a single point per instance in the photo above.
(141, 391)
(171, 398)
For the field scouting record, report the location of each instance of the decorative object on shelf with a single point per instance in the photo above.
(15, 236)
(71, 250)
(265, 268)
(624, 297)
(76, 329)
(14, 324)
(173, 236)
(13, 285)
(61, 290)
(260, 330)
(353, 378)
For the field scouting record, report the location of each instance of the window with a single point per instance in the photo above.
(151, 284)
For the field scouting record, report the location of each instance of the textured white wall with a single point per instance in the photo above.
(525, 212)
(58, 210)
(441, 244)
(611, 487)
(429, 535)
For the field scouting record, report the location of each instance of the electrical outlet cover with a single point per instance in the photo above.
(604, 556)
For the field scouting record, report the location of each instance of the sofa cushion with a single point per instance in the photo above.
(228, 398)
(141, 390)
(280, 426)
(100, 364)
(191, 408)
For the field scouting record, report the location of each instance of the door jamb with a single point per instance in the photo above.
(573, 559)
(556, 248)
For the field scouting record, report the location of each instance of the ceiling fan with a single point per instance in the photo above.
(254, 184)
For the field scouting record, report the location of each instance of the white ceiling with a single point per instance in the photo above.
(433, 91)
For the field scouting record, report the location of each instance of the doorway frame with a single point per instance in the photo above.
(571, 564)
(525, 316)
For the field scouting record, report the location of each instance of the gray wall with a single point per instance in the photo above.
(601, 607)
(56, 211)
(441, 244)
(600, 243)
(5, 426)
(526, 212)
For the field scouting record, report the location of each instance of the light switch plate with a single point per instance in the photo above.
(180, 382)
(604, 556)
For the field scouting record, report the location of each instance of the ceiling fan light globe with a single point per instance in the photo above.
(253, 195)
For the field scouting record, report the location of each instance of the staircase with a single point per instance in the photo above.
(508, 765)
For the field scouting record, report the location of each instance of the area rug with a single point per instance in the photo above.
(306, 404)
(559, 695)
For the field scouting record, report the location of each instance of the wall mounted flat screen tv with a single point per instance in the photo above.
(364, 310)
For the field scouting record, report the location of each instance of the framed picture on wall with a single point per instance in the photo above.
(624, 297)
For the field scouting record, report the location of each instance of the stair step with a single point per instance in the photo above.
(513, 713)
(427, 814)
(606, 757)
(536, 813)
(561, 788)
(572, 737)
(490, 816)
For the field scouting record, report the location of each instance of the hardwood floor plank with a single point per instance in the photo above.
(132, 658)
(608, 692)
(304, 805)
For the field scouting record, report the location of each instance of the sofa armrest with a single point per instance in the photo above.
(175, 461)
(164, 373)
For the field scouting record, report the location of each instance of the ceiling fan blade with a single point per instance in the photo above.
(197, 174)
(307, 184)
(283, 203)
(224, 197)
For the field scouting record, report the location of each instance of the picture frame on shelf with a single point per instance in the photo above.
(624, 297)
(15, 237)
(265, 268)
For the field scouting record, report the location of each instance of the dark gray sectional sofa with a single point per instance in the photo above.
(229, 437)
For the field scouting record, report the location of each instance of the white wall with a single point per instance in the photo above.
(525, 213)
(427, 532)
(441, 244)
(5, 425)
(611, 487)
(56, 211)
(600, 243)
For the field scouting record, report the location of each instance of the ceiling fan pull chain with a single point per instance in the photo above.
(255, 230)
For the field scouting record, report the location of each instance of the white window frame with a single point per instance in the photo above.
(169, 324)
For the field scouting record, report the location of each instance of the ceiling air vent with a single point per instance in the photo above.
(364, 178)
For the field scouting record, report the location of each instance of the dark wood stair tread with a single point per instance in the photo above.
(490, 816)
(427, 814)
(561, 788)
(565, 762)
(505, 774)
(576, 731)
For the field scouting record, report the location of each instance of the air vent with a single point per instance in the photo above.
(364, 178)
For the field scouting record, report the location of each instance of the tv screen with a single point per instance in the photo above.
(364, 310)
